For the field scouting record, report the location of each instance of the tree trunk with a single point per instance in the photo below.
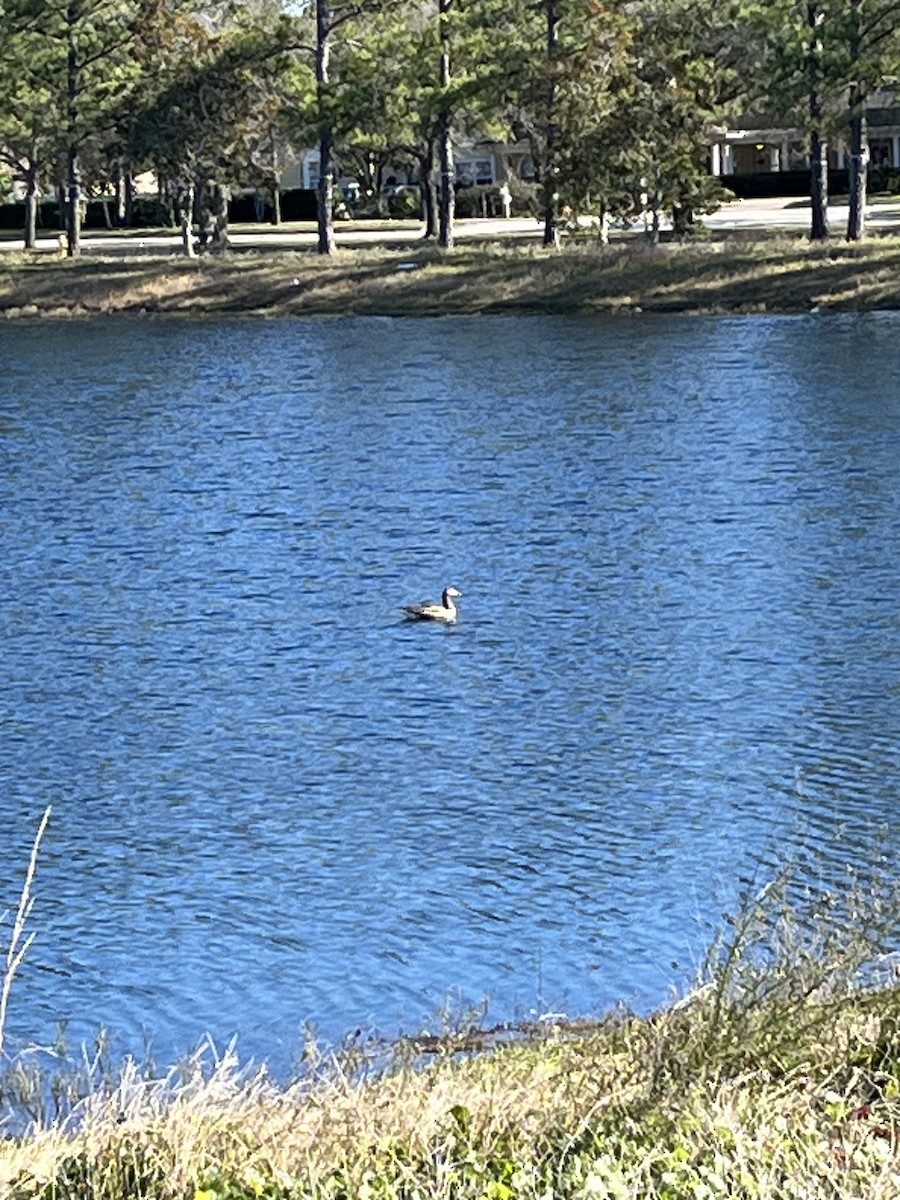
(124, 191)
(73, 177)
(73, 203)
(380, 198)
(128, 214)
(447, 198)
(654, 201)
(275, 190)
(428, 190)
(325, 193)
(818, 150)
(119, 192)
(859, 166)
(682, 221)
(204, 214)
(325, 190)
(549, 194)
(376, 184)
(859, 139)
(185, 220)
(220, 196)
(167, 200)
(31, 203)
(818, 187)
(446, 190)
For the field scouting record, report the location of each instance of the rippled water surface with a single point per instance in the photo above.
(276, 801)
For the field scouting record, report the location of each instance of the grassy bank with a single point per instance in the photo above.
(771, 274)
(779, 1077)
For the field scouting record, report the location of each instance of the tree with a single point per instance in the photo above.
(835, 53)
(546, 67)
(380, 99)
(219, 95)
(687, 73)
(869, 36)
(447, 196)
(389, 104)
(89, 59)
(326, 23)
(818, 149)
(823, 59)
(329, 17)
(30, 120)
(615, 100)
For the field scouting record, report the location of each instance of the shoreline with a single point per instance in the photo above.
(762, 1083)
(777, 1076)
(738, 273)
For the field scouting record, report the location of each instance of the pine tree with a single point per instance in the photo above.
(30, 117)
(824, 58)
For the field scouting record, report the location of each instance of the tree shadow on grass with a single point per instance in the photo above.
(785, 275)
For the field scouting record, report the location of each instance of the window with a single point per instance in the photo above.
(474, 170)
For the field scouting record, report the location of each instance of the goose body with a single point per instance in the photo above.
(445, 611)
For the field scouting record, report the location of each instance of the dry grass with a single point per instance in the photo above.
(774, 273)
(779, 1077)
(617, 1112)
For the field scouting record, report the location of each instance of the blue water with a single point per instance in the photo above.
(275, 801)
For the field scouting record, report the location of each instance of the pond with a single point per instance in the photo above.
(277, 802)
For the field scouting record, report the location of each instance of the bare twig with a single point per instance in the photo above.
(18, 946)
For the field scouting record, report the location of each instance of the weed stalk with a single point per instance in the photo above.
(19, 941)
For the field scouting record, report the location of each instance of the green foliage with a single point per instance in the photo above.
(885, 179)
(31, 100)
(681, 75)
(251, 1186)
(217, 96)
(859, 44)
(614, 110)
(479, 200)
(628, 93)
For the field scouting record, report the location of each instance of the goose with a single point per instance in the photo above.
(445, 611)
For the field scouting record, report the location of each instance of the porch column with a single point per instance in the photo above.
(895, 150)
(715, 159)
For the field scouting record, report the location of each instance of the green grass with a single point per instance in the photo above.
(779, 1076)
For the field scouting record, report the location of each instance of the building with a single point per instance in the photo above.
(478, 163)
(759, 147)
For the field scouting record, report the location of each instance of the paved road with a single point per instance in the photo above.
(790, 213)
(291, 238)
(794, 213)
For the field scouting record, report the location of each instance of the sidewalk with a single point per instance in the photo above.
(789, 213)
